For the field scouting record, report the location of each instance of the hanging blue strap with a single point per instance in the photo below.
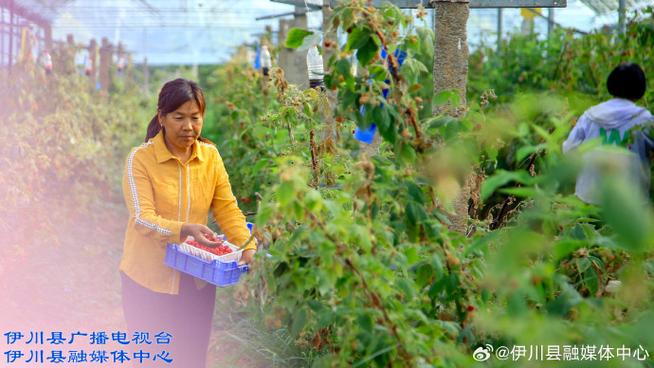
(257, 58)
(367, 136)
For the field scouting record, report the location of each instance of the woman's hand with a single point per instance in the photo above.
(247, 256)
(200, 233)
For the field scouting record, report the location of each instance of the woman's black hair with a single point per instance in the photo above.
(174, 94)
(628, 81)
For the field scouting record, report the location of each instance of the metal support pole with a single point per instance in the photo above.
(2, 36)
(432, 18)
(622, 16)
(329, 34)
(273, 16)
(550, 22)
(500, 12)
(146, 77)
(10, 52)
(47, 35)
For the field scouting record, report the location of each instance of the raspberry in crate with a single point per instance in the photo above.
(220, 250)
(218, 265)
(224, 252)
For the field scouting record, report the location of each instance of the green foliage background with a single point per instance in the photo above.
(364, 268)
(458, 233)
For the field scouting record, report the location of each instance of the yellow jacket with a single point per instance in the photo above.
(161, 194)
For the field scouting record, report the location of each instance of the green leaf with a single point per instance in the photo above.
(260, 165)
(326, 318)
(411, 254)
(378, 73)
(384, 123)
(522, 192)
(391, 134)
(426, 36)
(322, 362)
(415, 66)
(313, 201)
(446, 97)
(407, 289)
(424, 273)
(343, 68)
(411, 213)
(482, 243)
(501, 178)
(591, 280)
(296, 37)
(567, 299)
(310, 41)
(624, 209)
(566, 247)
(367, 52)
(299, 320)
(373, 356)
(348, 98)
(415, 192)
(263, 215)
(357, 38)
(285, 193)
(407, 153)
(582, 264)
(527, 150)
(365, 322)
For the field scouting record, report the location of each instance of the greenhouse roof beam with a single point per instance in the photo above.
(281, 15)
(26, 9)
(312, 4)
(477, 4)
(607, 6)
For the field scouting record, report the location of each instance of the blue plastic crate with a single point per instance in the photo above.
(218, 273)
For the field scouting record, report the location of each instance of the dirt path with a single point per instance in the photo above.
(59, 272)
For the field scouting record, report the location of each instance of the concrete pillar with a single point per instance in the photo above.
(622, 16)
(283, 58)
(451, 74)
(295, 62)
(65, 61)
(106, 52)
(93, 59)
(451, 54)
(47, 34)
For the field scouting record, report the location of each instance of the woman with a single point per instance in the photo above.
(170, 184)
(618, 121)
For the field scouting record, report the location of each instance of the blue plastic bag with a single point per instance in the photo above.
(368, 135)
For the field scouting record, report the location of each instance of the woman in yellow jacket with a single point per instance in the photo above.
(170, 183)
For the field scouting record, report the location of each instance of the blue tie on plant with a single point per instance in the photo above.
(367, 135)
